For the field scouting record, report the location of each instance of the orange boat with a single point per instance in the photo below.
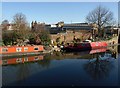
(20, 49)
(20, 60)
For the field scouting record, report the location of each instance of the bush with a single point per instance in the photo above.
(45, 37)
(39, 37)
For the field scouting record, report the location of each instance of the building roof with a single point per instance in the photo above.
(78, 26)
(55, 30)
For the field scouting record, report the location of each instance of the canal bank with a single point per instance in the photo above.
(39, 49)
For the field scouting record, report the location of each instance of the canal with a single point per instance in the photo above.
(89, 68)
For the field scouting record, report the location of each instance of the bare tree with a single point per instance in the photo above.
(19, 21)
(101, 16)
(21, 28)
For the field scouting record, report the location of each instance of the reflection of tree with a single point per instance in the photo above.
(98, 68)
(46, 61)
(23, 71)
(119, 49)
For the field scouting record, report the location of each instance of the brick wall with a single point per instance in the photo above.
(69, 35)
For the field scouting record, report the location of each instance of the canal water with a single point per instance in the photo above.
(88, 68)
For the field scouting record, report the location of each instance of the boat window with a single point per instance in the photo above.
(36, 58)
(18, 49)
(36, 48)
(26, 49)
(4, 50)
(26, 59)
(19, 60)
(96, 44)
(4, 62)
(83, 44)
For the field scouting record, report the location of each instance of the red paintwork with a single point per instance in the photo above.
(85, 46)
(98, 50)
(95, 45)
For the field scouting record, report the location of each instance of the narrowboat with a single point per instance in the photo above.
(7, 50)
(84, 46)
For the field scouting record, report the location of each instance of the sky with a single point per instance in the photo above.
(53, 12)
(60, 0)
(119, 12)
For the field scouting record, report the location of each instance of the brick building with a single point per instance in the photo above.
(67, 32)
(7, 27)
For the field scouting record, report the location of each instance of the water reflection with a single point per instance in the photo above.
(100, 67)
(96, 64)
(22, 70)
(20, 60)
(119, 49)
(45, 59)
(45, 62)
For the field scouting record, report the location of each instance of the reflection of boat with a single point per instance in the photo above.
(84, 46)
(98, 50)
(105, 57)
(21, 60)
(20, 49)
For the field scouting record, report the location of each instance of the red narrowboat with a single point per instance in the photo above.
(84, 46)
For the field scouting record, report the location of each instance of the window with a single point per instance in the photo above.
(18, 49)
(19, 60)
(4, 50)
(83, 44)
(96, 44)
(26, 49)
(26, 59)
(36, 48)
(36, 58)
(4, 62)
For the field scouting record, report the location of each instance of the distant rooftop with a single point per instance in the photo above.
(78, 26)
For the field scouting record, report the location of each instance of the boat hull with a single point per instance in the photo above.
(13, 50)
(84, 46)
